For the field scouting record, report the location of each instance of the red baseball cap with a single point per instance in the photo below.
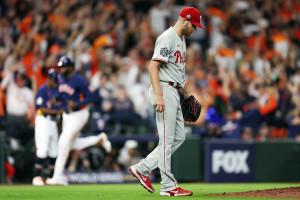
(192, 15)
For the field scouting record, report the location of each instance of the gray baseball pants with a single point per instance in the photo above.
(170, 126)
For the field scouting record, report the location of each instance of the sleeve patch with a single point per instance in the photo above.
(39, 101)
(164, 52)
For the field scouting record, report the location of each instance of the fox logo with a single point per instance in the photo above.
(231, 161)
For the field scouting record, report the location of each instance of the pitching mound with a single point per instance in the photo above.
(287, 193)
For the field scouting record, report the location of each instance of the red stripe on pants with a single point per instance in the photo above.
(164, 134)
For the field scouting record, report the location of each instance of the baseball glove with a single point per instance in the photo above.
(191, 109)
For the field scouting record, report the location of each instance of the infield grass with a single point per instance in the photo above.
(130, 191)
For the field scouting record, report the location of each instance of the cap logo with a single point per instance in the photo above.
(188, 16)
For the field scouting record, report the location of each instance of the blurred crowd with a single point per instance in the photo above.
(244, 67)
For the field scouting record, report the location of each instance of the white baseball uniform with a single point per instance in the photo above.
(46, 130)
(46, 136)
(73, 122)
(171, 50)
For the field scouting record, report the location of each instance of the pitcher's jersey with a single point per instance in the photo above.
(42, 98)
(170, 49)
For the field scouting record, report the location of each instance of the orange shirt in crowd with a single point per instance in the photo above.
(33, 69)
(269, 107)
(2, 102)
(251, 41)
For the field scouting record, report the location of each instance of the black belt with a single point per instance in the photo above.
(175, 86)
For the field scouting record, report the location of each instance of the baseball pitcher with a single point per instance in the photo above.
(167, 75)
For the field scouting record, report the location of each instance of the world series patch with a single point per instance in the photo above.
(164, 52)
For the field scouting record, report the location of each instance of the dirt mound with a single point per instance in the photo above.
(287, 193)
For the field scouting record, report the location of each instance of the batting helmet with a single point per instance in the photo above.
(65, 61)
(52, 74)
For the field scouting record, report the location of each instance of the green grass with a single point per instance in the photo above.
(127, 191)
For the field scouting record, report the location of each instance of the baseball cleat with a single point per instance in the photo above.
(104, 142)
(144, 180)
(60, 181)
(177, 192)
(38, 181)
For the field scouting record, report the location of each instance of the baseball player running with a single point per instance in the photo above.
(167, 75)
(46, 130)
(75, 115)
